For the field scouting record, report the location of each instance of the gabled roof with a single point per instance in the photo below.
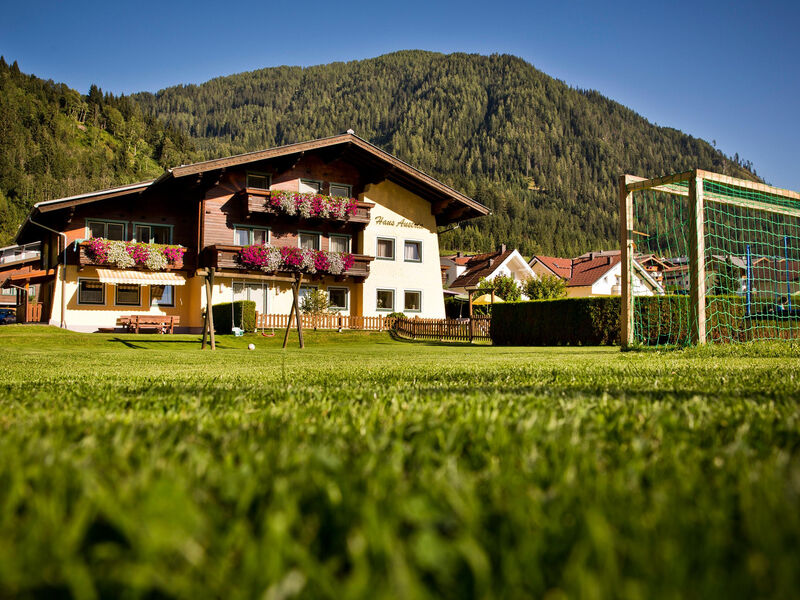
(448, 204)
(348, 144)
(586, 271)
(561, 267)
(482, 266)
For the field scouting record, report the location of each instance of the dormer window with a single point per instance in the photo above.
(258, 181)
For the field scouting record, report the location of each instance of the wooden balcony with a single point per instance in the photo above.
(225, 258)
(255, 202)
(82, 259)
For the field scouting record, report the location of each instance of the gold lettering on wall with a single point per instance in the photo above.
(401, 223)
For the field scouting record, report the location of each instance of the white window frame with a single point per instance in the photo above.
(118, 303)
(394, 247)
(102, 286)
(143, 224)
(420, 251)
(394, 299)
(257, 174)
(412, 310)
(245, 283)
(251, 229)
(155, 301)
(314, 233)
(344, 185)
(341, 235)
(105, 222)
(346, 290)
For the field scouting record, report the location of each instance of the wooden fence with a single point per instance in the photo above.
(331, 321)
(444, 330)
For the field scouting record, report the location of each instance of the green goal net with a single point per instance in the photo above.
(724, 253)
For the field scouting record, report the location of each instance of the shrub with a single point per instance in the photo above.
(504, 286)
(545, 287)
(242, 311)
(578, 321)
(315, 302)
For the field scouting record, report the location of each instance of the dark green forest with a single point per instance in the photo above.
(543, 156)
(56, 142)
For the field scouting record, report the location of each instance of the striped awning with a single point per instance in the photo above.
(114, 276)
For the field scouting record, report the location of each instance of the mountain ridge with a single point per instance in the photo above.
(542, 155)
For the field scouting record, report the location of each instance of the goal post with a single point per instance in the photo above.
(725, 253)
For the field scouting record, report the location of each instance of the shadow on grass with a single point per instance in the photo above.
(137, 344)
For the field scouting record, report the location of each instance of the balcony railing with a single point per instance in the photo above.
(226, 258)
(83, 259)
(256, 202)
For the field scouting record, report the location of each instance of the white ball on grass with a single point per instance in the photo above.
(251, 346)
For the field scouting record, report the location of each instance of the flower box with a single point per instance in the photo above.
(131, 255)
(271, 259)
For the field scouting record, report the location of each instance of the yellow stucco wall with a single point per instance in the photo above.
(94, 317)
(278, 293)
(401, 215)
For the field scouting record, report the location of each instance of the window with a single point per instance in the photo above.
(308, 241)
(91, 292)
(105, 229)
(152, 234)
(338, 189)
(162, 295)
(305, 290)
(255, 291)
(385, 300)
(385, 249)
(258, 181)
(339, 243)
(127, 294)
(337, 298)
(412, 301)
(245, 236)
(412, 251)
(310, 186)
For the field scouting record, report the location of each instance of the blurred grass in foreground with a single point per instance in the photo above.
(362, 467)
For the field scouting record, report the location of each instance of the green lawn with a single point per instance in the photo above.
(364, 467)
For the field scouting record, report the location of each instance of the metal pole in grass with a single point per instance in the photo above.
(786, 263)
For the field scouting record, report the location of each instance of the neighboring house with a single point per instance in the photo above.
(551, 265)
(490, 265)
(596, 274)
(454, 266)
(15, 261)
(216, 208)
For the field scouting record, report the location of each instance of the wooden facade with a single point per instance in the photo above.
(203, 206)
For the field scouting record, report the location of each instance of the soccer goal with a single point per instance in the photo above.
(724, 251)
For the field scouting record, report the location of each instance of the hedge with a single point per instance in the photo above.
(244, 316)
(660, 320)
(579, 321)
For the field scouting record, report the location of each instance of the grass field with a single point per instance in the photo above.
(364, 467)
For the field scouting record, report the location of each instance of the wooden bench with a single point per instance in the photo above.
(161, 323)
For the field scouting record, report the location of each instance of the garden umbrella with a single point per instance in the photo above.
(487, 299)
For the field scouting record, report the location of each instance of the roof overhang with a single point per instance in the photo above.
(448, 204)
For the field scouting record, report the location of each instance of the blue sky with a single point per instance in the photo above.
(723, 71)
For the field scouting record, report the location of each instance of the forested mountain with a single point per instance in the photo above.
(543, 156)
(55, 142)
